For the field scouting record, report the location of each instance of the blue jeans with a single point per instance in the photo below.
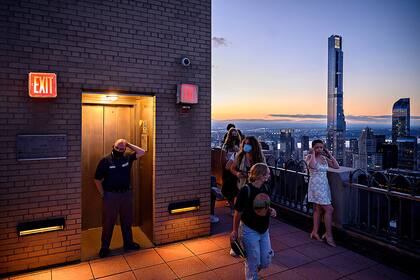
(258, 250)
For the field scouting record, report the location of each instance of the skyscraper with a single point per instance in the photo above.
(336, 124)
(287, 142)
(304, 140)
(367, 149)
(401, 119)
(407, 152)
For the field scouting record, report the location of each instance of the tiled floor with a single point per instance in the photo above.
(296, 257)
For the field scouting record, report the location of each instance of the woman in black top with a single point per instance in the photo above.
(252, 219)
(229, 150)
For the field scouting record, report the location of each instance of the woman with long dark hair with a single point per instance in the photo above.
(319, 192)
(250, 153)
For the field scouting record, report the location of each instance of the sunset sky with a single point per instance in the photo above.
(269, 58)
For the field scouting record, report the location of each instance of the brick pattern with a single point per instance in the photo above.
(131, 46)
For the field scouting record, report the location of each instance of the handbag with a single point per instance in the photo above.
(237, 248)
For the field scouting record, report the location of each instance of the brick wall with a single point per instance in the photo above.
(107, 45)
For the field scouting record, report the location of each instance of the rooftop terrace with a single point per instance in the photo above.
(296, 257)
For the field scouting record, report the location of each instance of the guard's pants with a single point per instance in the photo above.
(114, 204)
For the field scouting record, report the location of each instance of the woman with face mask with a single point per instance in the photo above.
(319, 193)
(249, 154)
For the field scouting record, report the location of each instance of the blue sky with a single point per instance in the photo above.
(270, 57)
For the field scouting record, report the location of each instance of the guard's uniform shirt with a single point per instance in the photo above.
(115, 172)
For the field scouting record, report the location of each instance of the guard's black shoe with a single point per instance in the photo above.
(103, 252)
(132, 246)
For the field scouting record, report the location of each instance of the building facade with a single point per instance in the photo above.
(336, 124)
(400, 119)
(367, 149)
(407, 152)
(117, 68)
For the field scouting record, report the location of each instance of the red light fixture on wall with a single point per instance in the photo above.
(187, 94)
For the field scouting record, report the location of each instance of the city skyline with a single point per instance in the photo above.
(273, 56)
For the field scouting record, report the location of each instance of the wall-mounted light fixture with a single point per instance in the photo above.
(28, 228)
(110, 98)
(184, 206)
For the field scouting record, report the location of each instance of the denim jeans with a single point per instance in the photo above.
(258, 250)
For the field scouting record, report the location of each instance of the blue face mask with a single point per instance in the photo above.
(247, 148)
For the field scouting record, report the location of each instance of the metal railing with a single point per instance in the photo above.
(385, 207)
(289, 186)
(378, 205)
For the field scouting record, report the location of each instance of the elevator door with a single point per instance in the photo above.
(101, 126)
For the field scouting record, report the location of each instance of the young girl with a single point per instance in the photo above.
(251, 220)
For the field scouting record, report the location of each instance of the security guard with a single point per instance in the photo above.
(112, 179)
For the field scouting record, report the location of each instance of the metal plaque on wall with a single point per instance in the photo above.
(41, 147)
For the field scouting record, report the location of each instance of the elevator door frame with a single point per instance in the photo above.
(133, 100)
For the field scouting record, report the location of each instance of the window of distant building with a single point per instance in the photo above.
(337, 42)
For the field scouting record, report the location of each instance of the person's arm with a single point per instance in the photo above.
(234, 170)
(332, 162)
(311, 160)
(273, 212)
(99, 186)
(236, 220)
(139, 151)
(99, 176)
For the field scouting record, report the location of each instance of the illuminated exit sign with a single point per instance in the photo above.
(42, 85)
(187, 94)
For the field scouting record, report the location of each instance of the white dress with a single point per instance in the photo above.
(318, 188)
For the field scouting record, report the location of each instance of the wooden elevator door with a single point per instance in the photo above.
(101, 126)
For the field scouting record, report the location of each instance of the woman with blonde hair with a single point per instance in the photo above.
(252, 219)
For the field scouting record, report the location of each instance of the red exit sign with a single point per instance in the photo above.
(42, 85)
(187, 94)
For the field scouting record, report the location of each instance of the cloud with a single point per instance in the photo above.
(298, 116)
(360, 118)
(219, 42)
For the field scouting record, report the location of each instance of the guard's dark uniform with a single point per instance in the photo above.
(117, 196)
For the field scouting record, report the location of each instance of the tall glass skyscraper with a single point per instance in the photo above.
(401, 119)
(336, 123)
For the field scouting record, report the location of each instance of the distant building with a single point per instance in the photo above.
(354, 145)
(351, 149)
(367, 149)
(348, 158)
(378, 156)
(304, 142)
(407, 152)
(389, 155)
(287, 142)
(401, 119)
(336, 124)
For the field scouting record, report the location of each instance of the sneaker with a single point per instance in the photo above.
(104, 252)
(132, 246)
(232, 253)
(214, 219)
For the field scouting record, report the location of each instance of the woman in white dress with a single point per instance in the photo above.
(319, 193)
